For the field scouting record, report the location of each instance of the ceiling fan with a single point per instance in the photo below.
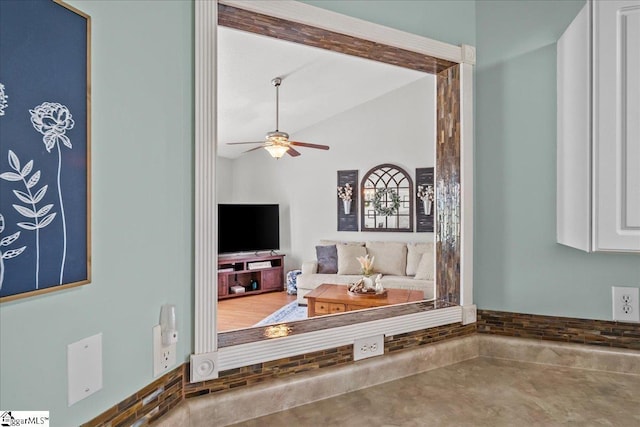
(277, 143)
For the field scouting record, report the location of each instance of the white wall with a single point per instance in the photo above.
(397, 128)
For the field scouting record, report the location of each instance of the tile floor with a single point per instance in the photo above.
(479, 392)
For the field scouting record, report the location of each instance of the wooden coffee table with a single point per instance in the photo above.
(328, 299)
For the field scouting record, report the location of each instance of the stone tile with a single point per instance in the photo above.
(479, 392)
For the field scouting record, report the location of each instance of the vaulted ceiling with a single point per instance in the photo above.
(317, 84)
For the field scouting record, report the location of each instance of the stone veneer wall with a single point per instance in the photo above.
(166, 392)
(582, 331)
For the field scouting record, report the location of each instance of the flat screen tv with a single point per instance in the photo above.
(248, 228)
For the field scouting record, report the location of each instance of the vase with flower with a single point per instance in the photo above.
(346, 195)
(427, 195)
(366, 266)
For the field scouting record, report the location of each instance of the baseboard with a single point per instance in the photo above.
(579, 356)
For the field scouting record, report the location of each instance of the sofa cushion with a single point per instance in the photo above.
(390, 257)
(425, 270)
(414, 255)
(340, 242)
(347, 262)
(327, 259)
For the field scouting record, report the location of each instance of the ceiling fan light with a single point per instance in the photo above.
(276, 151)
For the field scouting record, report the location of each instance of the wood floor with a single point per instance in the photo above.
(244, 312)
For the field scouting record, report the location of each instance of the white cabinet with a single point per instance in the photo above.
(598, 158)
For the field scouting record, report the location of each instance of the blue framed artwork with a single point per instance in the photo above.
(45, 147)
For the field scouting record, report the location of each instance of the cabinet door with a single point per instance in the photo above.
(272, 279)
(616, 101)
(223, 288)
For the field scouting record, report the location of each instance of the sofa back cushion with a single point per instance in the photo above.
(390, 257)
(327, 259)
(347, 262)
(414, 255)
(340, 242)
(426, 267)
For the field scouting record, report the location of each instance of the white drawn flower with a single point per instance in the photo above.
(3, 100)
(52, 120)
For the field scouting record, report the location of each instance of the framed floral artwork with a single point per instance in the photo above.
(45, 148)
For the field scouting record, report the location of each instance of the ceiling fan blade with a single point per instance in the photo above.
(253, 149)
(292, 152)
(306, 144)
(247, 142)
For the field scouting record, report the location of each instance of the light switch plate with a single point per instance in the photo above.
(84, 368)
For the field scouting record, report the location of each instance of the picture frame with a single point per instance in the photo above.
(45, 148)
(347, 210)
(425, 210)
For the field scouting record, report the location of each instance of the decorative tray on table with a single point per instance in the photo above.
(359, 289)
(369, 293)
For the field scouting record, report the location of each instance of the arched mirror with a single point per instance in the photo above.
(387, 194)
(252, 345)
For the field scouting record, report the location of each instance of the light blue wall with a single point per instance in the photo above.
(518, 265)
(142, 93)
(451, 21)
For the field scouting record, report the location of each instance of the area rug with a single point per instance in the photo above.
(289, 313)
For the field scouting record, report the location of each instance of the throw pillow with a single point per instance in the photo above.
(347, 262)
(426, 268)
(414, 255)
(390, 257)
(327, 259)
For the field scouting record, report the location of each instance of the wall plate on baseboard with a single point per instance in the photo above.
(368, 347)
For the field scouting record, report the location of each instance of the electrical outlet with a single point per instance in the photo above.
(626, 305)
(368, 347)
(164, 356)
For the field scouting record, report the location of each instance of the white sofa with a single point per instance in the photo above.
(402, 265)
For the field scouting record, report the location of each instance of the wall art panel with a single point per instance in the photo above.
(44, 147)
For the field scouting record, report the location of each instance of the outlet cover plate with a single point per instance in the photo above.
(368, 347)
(164, 356)
(626, 304)
(84, 368)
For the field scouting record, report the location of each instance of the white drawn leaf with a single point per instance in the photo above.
(65, 140)
(1, 223)
(10, 176)
(40, 194)
(24, 197)
(34, 179)
(13, 253)
(14, 162)
(47, 220)
(24, 211)
(26, 170)
(28, 225)
(49, 140)
(44, 210)
(10, 239)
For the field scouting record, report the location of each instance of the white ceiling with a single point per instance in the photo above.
(317, 84)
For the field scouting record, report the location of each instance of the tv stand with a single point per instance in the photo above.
(244, 271)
